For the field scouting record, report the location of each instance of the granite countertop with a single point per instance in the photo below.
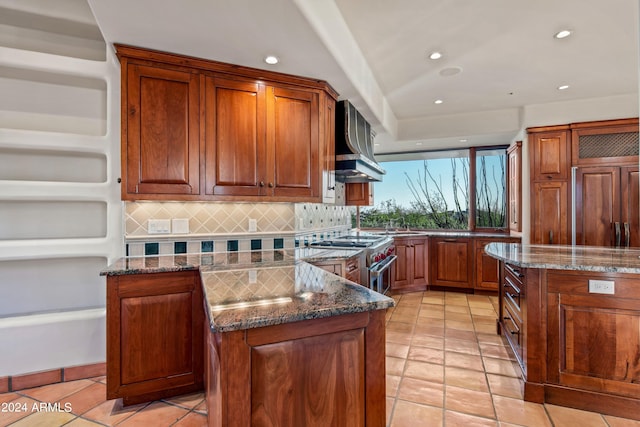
(261, 288)
(276, 293)
(562, 257)
(168, 263)
(437, 233)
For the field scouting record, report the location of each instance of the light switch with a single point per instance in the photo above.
(180, 225)
(158, 226)
(253, 224)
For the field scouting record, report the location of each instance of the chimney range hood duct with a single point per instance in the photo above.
(354, 147)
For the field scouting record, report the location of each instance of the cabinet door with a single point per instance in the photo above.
(410, 269)
(400, 269)
(597, 205)
(487, 268)
(515, 182)
(596, 345)
(293, 162)
(451, 262)
(549, 213)
(419, 266)
(358, 194)
(630, 194)
(236, 151)
(550, 155)
(162, 133)
(154, 336)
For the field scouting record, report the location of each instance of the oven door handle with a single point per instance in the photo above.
(380, 268)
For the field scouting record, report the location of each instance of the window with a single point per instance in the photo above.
(490, 189)
(435, 190)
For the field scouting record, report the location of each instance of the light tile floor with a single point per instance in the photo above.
(445, 367)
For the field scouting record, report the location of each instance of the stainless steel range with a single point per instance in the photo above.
(379, 255)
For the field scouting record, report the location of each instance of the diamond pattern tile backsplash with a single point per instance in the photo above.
(214, 225)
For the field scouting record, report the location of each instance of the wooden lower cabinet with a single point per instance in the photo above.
(487, 268)
(451, 262)
(316, 372)
(348, 268)
(154, 336)
(409, 272)
(577, 348)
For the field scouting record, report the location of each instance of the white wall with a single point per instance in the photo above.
(60, 209)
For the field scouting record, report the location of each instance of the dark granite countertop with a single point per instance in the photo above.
(254, 289)
(562, 257)
(438, 233)
(275, 293)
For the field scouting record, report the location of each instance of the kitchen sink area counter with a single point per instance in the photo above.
(571, 315)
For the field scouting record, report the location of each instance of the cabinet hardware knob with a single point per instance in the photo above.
(332, 188)
(271, 185)
(119, 180)
(261, 183)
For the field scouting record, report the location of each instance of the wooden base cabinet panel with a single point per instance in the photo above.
(596, 337)
(577, 348)
(451, 262)
(154, 343)
(312, 373)
(409, 272)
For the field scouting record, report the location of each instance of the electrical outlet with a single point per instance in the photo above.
(158, 226)
(601, 287)
(300, 223)
(253, 277)
(253, 224)
(180, 225)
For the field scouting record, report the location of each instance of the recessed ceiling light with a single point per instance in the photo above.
(418, 143)
(438, 101)
(271, 60)
(463, 140)
(435, 55)
(563, 87)
(562, 34)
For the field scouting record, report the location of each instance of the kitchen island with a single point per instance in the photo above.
(571, 314)
(285, 342)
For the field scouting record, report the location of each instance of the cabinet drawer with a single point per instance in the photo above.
(512, 292)
(514, 274)
(511, 321)
(353, 270)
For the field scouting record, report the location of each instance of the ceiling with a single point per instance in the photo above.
(499, 56)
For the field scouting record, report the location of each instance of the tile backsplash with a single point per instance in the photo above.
(224, 227)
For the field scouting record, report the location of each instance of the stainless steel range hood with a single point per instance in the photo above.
(354, 147)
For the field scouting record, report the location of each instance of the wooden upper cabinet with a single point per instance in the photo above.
(550, 154)
(236, 151)
(194, 129)
(293, 139)
(160, 132)
(358, 193)
(610, 142)
(514, 154)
